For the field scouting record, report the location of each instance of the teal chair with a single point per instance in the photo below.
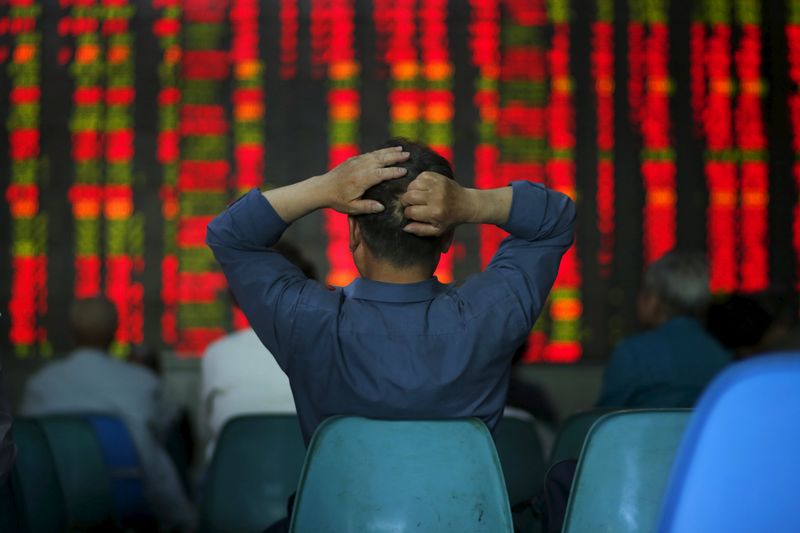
(82, 471)
(522, 458)
(572, 433)
(365, 476)
(37, 494)
(255, 468)
(623, 471)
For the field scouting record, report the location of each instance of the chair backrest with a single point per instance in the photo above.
(738, 466)
(572, 433)
(81, 470)
(521, 456)
(375, 475)
(36, 489)
(124, 468)
(255, 468)
(623, 470)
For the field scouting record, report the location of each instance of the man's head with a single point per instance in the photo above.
(93, 322)
(380, 236)
(676, 284)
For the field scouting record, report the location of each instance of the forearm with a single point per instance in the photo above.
(298, 199)
(488, 206)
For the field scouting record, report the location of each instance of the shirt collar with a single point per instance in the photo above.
(367, 289)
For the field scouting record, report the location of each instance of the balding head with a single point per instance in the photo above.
(93, 322)
(674, 285)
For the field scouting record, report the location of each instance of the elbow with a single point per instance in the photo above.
(214, 231)
(567, 213)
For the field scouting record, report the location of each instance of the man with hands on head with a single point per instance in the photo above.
(395, 343)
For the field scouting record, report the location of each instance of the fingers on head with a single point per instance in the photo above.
(414, 197)
(390, 156)
(390, 172)
(421, 230)
(417, 212)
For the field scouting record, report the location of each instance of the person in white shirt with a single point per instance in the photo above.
(239, 376)
(88, 380)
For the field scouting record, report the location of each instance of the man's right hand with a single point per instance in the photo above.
(435, 204)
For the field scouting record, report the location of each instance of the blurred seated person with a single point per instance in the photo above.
(740, 322)
(89, 380)
(239, 376)
(783, 334)
(670, 364)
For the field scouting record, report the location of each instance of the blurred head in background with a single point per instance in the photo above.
(674, 285)
(739, 322)
(93, 323)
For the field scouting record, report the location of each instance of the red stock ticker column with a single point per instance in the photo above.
(602, 59)
(167, 29)
(320, 28)
(202, 173)
(344, 109)
(289, 17)
(28, 225)
(752, 144)
(124, 234)
(86, 193)
(715, 91)
(793, 45)
(248, 106)
(649, 102)
(484, 30)
(565, 308)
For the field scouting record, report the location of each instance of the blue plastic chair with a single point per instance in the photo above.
(255, 468)
(37, 493)
(81, 471)
(366, 476)
(738, 466)
(623, 471)
(122, 461)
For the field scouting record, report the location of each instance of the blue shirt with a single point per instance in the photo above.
(395, 351)
(668, 366)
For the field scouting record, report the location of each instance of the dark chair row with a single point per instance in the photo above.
(730, 466)
(77, 472)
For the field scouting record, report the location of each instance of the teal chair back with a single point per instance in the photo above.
(623, 471)
(82, 471)
(36, 489)
(572, 433)
(424, 476)
(255, 468)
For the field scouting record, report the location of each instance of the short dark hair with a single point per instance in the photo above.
(93, 322)
(383, 232)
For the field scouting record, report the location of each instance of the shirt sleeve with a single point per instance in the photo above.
(540, 227)
(266, 285)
